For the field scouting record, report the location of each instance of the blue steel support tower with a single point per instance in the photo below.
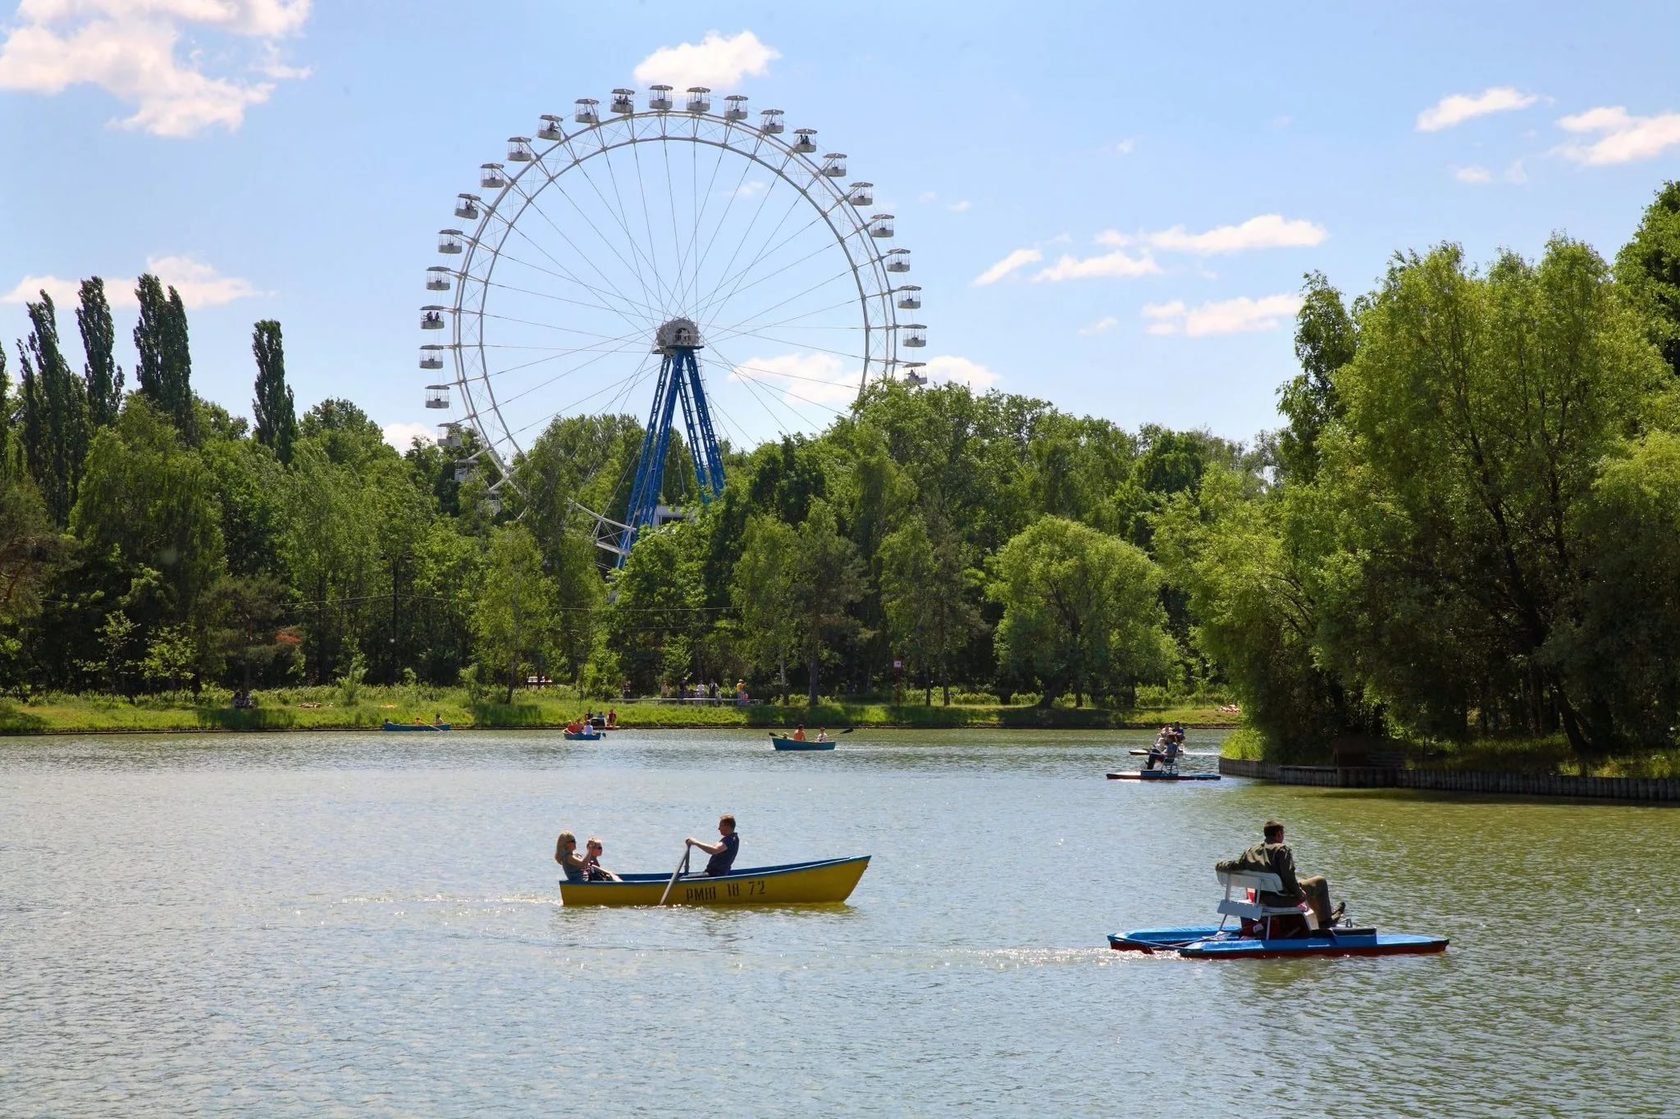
(679, 379)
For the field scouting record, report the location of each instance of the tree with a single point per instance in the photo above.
(926, 587)
(1326, 338)
(763, 593)
(1080, 611)
(657, 615)
(101, 374)
(1479, 413)
(344, 432)
(276, 421)
(164, 373)
(55, 414)
(827, 580)
(515, 610)
(1648, 272)
(331, 554)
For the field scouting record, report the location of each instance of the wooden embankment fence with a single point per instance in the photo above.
(1653, 790)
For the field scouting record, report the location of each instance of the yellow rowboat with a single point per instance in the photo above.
(825, 880)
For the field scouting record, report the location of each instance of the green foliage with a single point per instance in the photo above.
(164, 374)
(102, 376)
(276, 417)
(514, 617)
(55, 417)
(1648, 273)
(928, 591)
(1080, 612)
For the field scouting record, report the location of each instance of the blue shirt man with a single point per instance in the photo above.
(723, 851)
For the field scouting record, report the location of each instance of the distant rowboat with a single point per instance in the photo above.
(1162, 775)
(416, 726)
(809, 883)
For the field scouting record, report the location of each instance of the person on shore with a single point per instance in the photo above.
(799, 733)
(1273, 856)
(723, 851)
(565, 853)
(593, 871)
(612, 717)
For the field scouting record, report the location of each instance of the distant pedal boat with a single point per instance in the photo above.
(824, 881)
(782, 743)
(1162, 775)
(584, 735)
(416, 726)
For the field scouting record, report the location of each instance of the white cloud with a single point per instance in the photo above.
(1622, 137)
(1125, 147)
(1117, 264)
(198, 283)
(128, 49)
(714, 62)
(1231, 316)
(1460, 107)
(960, 370)
(803, 378)
(402, 435)
(927, 196)
(1018, 259)
(751, 188)
(961, 206)
(1475, 175)
(1101, 326)
(1266, 231)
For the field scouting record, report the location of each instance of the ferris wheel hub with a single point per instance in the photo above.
(676, 334)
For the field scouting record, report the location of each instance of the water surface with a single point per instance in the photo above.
(369, 924)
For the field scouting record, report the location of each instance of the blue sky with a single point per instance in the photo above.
(1109, 206)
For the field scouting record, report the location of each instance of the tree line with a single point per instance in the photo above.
(1466, 526)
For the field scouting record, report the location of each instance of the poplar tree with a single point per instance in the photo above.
(275, 415)
(55, 414)
(165, 370)
(103, 377)
(5, 414)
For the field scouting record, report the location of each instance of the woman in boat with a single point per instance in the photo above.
(722, 852)
(799, 733)
(593, 871)
(565, 853)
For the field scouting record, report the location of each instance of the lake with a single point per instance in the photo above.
(369, 924)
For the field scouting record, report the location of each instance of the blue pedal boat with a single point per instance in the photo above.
(1162, 775)
(1260, 936)
(416, 726)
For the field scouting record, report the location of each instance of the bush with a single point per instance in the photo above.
(986, 699)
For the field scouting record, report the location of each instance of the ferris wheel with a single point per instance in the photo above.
(629, 262)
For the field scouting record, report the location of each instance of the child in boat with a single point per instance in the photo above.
(723, 851)
(593, 871)
(565, 853)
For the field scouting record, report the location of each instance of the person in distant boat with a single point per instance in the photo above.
(799, 733)
(565, 853)
(1273, 856)
(822, 734)
(593, 871)
(723, 851)
(574, 727)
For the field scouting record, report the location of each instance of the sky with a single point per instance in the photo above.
(1109, 206)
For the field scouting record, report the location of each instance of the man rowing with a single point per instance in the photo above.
(723, 851)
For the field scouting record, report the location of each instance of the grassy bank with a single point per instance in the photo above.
(367, 708)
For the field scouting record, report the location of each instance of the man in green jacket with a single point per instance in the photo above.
(1274, 856)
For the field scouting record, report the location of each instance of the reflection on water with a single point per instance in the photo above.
(287, 925)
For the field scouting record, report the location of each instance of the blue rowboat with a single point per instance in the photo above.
(809, 883)
(782, 743)
(1162, 775)
(583, 735)
(416, 726)
(1267, 932)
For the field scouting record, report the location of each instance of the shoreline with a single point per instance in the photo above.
(59, 732)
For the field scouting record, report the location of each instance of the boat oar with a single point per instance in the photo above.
(682, 866)
(848, 730)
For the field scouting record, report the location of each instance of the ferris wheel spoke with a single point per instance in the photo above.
(850, 299)
(767, 378)
(648, 298)
(723, 290)
(587, 402)
(550, 296)
(561, 271)
(652, 297)
(821, 248)
(647, 224)
(695, 258)
(767, 253)
(729, 268)
(740, 183)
